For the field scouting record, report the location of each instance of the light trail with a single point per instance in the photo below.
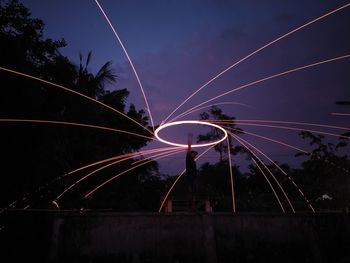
(130, 155)
(255, 52)
(294, 129)
(114, 158)
(125, 171)
(268, 181)
(291, 180)
(273, 190)
(270, 139)
(177, 179)
(265, 79)
(100, 162)
(169, 124)
(340, 114)
(297, 123)
(169, 191)
(76, 124)
(106, 166)
(263, 154)
(128, 57)
(79, 125)
(76, 93)
(279, 168)
(56, 204)
(201, 108)
(286, 127)
(231, 176)
(179, 149)
(181, 115)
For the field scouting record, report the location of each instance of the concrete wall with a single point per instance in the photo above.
(142, 237)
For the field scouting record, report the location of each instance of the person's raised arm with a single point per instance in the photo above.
(189, 141)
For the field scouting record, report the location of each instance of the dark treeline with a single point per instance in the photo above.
(36, 156)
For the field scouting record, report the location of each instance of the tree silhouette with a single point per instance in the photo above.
(325, 174)
(216, 114)
(37, 155)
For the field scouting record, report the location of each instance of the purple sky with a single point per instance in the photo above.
(177, 46)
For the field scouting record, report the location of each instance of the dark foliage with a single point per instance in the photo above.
(36, 156)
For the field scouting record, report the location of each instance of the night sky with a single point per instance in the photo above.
(177, 46)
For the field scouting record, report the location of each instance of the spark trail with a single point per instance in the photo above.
(297, 123)
(130, 155)
(231, 176)
(289, 127)
(270, 139)
(255, 52)
(115, 158)
(75, 124)
(276, 165)
(125, 171)
(74, 92)
(292, 128)
(208, 106)
(340, 114)
(269, 183)
(265, 79)
(129, 59)
(279, 168)
(125, 158)
(261, 170)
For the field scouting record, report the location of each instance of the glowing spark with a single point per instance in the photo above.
(179, 149)
(340, 114)
(294, 129)
(256, 51)
(170, 189)
(261, 170)
(12, 204)
(108, 165)
(269, 139)
(127, 55)
(125, 171)
(56, 204)
(297, 123)
(100, 162)
(74, 92)
(115, 158)
(130, 155)
(279, 168)
(189, 122)
(268, 169)
(231, 176)
(268, 181)
(267, 78)
(76, 124)
(208, 106)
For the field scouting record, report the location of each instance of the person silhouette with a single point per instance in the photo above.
(191, 170)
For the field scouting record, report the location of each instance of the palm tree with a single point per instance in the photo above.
(94, 85)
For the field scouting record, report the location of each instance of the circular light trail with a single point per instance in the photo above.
(161, 127)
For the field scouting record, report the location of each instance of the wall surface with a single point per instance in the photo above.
(177, 237)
